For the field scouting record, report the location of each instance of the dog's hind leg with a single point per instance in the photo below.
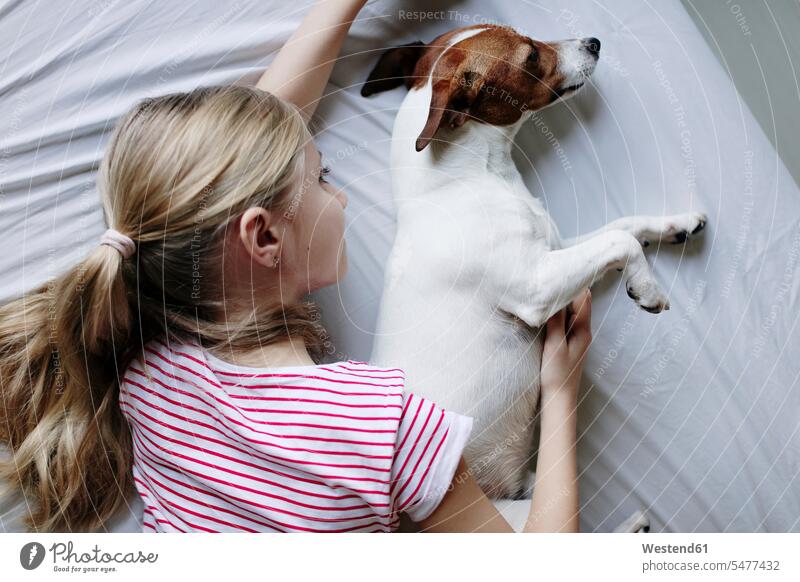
(556, 278)
(636, 523)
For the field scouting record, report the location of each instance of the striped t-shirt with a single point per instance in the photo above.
(339, 447)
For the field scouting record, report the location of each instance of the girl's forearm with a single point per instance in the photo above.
(554, 506)
(301, 69)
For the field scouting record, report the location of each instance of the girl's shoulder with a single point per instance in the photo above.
(188, 360)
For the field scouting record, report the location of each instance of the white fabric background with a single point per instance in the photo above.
(692, 415)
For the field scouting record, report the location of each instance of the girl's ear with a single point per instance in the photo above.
(395, 67)
(259, 237)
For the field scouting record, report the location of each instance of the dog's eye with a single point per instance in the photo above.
(533, 57)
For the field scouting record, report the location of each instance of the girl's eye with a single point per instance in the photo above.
(324, 172)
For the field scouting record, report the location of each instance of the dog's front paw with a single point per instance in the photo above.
(678, 228)
(647, 294)
(675, 229)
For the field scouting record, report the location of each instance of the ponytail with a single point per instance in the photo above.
(59, 363)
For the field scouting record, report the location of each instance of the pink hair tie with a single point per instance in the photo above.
(124, 244)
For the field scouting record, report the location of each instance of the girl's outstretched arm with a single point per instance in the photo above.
(302, 67)
(554, 506)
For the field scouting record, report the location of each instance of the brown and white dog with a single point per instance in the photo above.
(477, 266)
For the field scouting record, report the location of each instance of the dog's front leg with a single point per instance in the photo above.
(673, 229)
(556, 277)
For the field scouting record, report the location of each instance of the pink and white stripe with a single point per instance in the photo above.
(339, 447)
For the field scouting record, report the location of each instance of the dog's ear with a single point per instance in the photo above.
(394, 68)
(450, 105)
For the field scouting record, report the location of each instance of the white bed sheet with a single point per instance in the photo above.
(692, 415)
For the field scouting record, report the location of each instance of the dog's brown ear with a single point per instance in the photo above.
(394, 68)
(450, 105)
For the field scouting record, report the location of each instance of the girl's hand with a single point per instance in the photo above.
(568, 337)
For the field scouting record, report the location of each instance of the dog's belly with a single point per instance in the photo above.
(472, 361)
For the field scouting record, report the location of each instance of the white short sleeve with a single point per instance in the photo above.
(430, 442)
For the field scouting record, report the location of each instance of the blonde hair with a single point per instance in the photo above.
(178, 169)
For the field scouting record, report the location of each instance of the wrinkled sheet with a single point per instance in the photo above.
(691, 415)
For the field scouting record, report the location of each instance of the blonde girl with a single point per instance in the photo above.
(180, 359)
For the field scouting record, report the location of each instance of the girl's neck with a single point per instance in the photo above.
(289, 352)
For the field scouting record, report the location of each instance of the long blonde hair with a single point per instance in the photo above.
(177, 170)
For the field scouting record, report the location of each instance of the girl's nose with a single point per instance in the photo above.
(342, 198)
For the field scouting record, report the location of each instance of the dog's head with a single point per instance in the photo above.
(485, 73)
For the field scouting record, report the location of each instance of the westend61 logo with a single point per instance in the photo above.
(66, 559)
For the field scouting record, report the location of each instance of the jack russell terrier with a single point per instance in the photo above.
(477, 266)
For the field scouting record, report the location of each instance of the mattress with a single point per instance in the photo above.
(691, 415)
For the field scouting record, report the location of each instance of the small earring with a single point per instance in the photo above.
(275, 261)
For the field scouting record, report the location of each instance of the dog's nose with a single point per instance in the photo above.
(592, 45)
